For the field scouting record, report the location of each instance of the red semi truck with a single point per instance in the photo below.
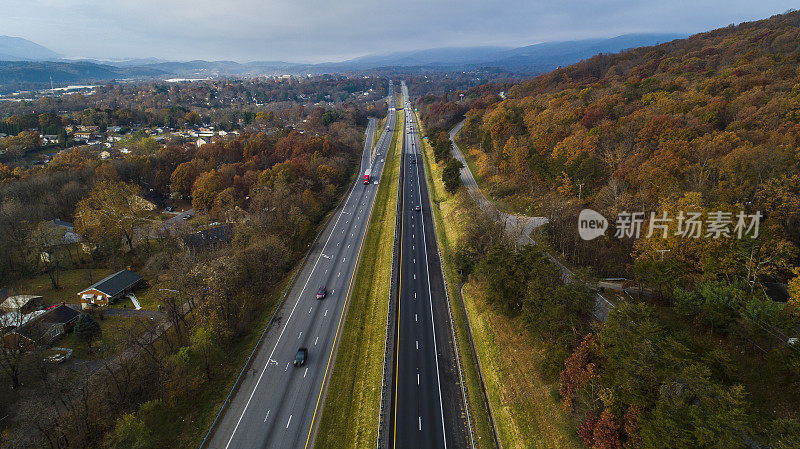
(366, 176)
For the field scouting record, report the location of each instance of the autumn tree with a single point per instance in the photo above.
(183, 178)
(131, 432)
(794, 290)
(111, 211)
(606, 433)
(204, 342)
(578, 371)
(205, 190)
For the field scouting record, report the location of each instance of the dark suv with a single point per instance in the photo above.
(300, 357)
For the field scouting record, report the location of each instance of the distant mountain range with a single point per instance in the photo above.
(19, 49)
(23, 61)
(532, 58)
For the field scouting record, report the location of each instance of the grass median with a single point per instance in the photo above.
(352, 403)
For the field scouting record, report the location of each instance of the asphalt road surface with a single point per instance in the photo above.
(277, 404)
(428, 408)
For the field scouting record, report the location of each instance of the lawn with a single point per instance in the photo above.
(116, 333)
(525, 410)
(352, 404)
(70, 283)
(148, 298)
(448, 218)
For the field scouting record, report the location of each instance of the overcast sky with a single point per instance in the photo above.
(325, 30)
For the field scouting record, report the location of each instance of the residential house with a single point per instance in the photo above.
(42, 327)
(49, 138)
(105, 154)
(61, 233)
(211, 236)
(21, 303)
(83, 135)
(200, 142)
(58, 321)
(110, 289)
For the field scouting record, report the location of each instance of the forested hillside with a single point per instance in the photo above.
(711, 121)
(703, 357)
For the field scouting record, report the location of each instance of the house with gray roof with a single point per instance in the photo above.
(110, 289)
(210, 237)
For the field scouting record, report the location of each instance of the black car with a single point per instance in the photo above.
(301, 357)
(322, 292)
(413, 161)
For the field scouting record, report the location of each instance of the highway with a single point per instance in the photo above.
(277, 404)
(426, 398)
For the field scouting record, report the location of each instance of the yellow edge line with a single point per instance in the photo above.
(341, 317)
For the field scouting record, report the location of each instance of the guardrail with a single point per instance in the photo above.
(278, 307)
(477, 359)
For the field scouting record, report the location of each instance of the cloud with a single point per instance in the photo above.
(317, 30)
